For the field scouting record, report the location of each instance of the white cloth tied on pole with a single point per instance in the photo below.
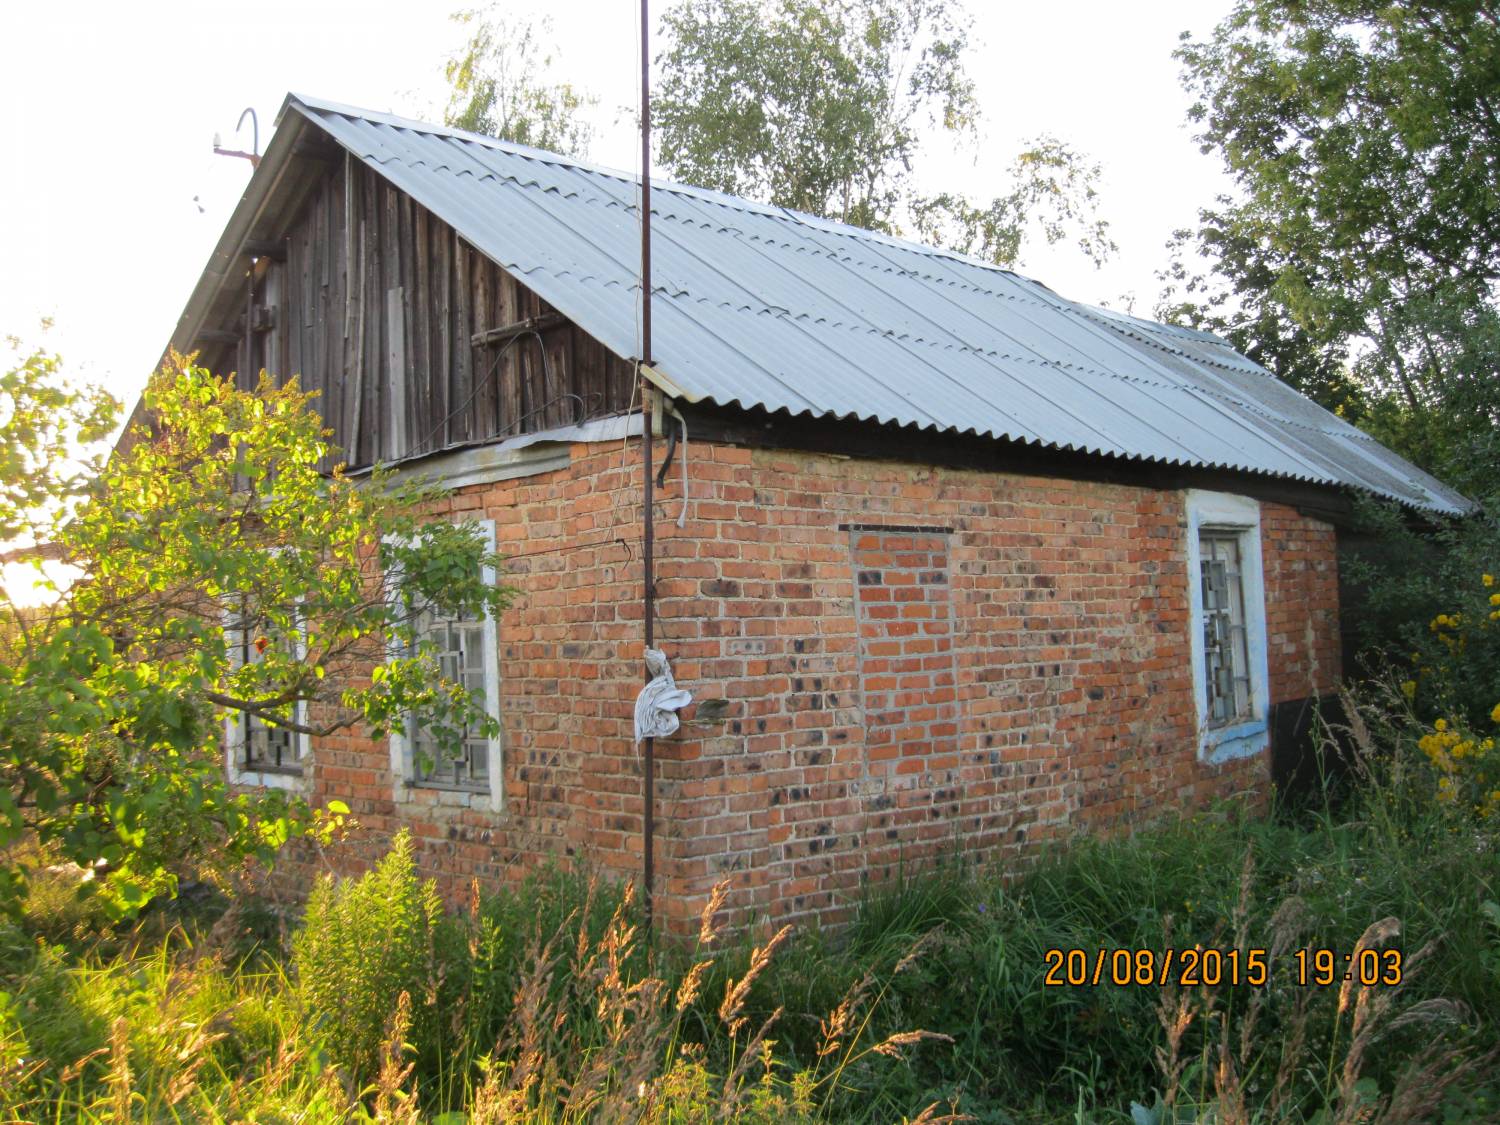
(657, 705)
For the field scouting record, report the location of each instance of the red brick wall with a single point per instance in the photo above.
(569, 651)
(907, 678)
(1011, 672)
(1302, 603)
(1014, 679)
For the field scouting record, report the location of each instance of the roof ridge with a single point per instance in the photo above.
(707, 195)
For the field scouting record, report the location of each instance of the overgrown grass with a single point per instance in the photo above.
(1384, 855)
(543, 1004)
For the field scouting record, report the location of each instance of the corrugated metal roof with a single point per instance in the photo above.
(759, 306)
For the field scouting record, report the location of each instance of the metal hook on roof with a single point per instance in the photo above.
(249, 112)
(254, 154)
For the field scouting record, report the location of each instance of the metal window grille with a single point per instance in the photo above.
(458, 646)
(265, 747)
(1226, 644)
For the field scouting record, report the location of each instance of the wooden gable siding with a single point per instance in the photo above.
(375, 304)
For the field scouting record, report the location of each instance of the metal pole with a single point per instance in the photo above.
(648, 784)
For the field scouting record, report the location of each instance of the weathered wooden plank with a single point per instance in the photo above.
(309, 250)
(374, 330)
(533, 383)
(504, 357)
(442, 314)
(564, 409)
(406, 388)
(335, 384)
(271, 308)
(354, 444)
(496, 336)
(348, 348)
(582, 377)
(395, 372)
(325, 238)
(294, 316)
(622, 381)
(483, 418)
(316, 376)
(462, 380)
(427, 433)
(242, 345)
(284, 317)
(246, 325)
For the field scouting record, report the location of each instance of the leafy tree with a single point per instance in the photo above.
(1364, 139)
(1054, 189)
(813, 106)
(816, 106)
(211, 519)
(822, 107)
(498, 85)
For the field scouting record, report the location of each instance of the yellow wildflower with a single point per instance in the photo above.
(1409, 689)
(1442, 724)
(1489, 579)
(1495, 714)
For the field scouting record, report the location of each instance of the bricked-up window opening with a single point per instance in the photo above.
(460, 650)
(1226, 649)
(907, 678)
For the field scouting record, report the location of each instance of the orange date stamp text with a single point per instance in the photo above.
(1211, 967)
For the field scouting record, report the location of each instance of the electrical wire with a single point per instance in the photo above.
(548, 381)
(479, 386)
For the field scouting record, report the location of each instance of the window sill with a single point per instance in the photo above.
(1241, 740)
(451, 787)
(268, 778)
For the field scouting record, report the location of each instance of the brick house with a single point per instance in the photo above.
(948, 561)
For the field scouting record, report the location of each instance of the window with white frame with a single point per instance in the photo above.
(259, 750)
(1227, 595)
(458, 646)
(466, 651)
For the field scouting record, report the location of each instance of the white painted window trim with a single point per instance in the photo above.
(1222, 511)
(234, 729)
(403, 772)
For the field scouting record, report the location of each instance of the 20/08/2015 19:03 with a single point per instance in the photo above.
(1211, 967)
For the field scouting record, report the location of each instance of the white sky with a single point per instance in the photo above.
(109, 110)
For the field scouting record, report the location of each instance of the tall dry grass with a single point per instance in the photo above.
(594, 1032)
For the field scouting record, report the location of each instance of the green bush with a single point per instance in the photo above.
(363, 943)
(1418, 600)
